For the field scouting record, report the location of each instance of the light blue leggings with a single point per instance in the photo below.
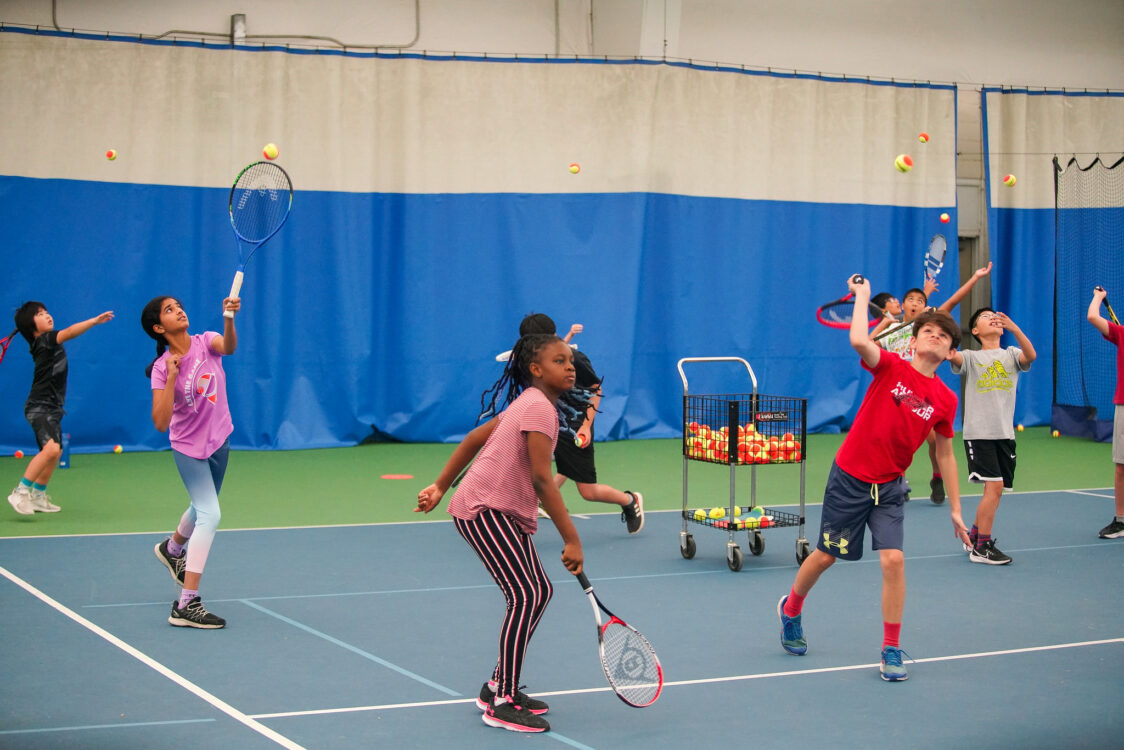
(203, 479)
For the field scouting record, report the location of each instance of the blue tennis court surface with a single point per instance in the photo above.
(342, 637)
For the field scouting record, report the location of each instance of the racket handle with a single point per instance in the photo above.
(857, 279)
(585, 584)
(1098, 288)
(235, 288)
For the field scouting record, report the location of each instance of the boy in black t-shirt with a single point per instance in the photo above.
(44, 407)
(573, 456)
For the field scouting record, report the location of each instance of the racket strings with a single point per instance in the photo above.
(260, 201)
(630, 664)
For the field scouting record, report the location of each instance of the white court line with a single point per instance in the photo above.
(153, 664)
(704, 681)
(1091, 494)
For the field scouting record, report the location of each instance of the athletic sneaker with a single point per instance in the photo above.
(534, 705)
(1114, 530)
(513, 717)
(633, 513)
(21, 501)
(41, 503)
(988, 554)
(194, 615)
(177, 566)
(936, 484)
(792, 632)
(892, 668)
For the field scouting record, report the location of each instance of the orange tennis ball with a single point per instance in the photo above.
(111, 154)
(1009, 180)
(270, 151)
(904, 162)
(575, 168)
(923, 137)
(945, 218)
(18, 454)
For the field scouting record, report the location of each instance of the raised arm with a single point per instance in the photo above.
(860, 337)
(228, 341)
(76, 330)
(1029, 354)
(962, 292)
(575, 329)
(1094, 314)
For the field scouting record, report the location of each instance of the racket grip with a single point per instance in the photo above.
(1098, 288)
(857, 279)
(585, 584)
(235, 288)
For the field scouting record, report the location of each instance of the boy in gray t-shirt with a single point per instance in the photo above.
(989, 412)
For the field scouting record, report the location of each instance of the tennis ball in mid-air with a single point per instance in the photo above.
(945, 218)
(18, 454)
(904, 162)
(717, 513)
(111, 154)
(923, 137)
(1019, 428)
(575, 168)
(1055, 433)
(117, 449)
(1009, 180)
(270, 151)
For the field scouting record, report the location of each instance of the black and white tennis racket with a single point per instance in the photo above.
(935, 255)
(630, 663)
(1111, 312)
(260, 200)
(838, 313)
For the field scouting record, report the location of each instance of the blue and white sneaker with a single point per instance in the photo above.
(792, 632)
(892, 668)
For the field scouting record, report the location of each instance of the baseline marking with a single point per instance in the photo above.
(148, 661)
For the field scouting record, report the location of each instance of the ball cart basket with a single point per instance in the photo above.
(737, 430)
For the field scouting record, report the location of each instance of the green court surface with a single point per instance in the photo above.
(142, 492)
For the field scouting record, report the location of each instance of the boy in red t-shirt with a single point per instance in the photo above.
(1115, 334)
(903, 405)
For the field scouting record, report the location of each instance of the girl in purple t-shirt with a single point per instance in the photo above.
(495, 509)
(189, 403)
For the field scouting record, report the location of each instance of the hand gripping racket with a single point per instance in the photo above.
(1108, 307)
(630, 663)
(838, 313)
(260, 200)
(934, 257)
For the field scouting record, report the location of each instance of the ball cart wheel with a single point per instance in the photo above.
(803, 549)
(687, 548)
(734, 557)
(756, 543)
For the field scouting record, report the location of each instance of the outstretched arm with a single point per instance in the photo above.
(228, 341)
(860, 338)
(962, 292)
(76, 330)
(574, 329)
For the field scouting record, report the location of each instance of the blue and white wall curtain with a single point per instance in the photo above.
(1023, 131)
(713, 210)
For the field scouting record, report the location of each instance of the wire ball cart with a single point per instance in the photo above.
(737, 430)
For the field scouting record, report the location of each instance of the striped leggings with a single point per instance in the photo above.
(509, 555)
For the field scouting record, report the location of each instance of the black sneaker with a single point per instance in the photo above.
(514, 718)
(936, 485)
(193, 615)
(175, 565)
(1114, 530)
(633, 513)
(534, 705)
(988, 554)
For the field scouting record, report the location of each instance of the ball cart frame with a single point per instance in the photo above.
(766, 430)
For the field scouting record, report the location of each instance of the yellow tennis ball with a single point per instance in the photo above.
(737, 510)
(1055, 433)
(111, 154)
(1019, 428)
(575, 168)
(945, 218)
(1009, 180)
(904, 162)
(716, 513)
(700, 515)
(270, 151)
(117, 449)
(752, 522)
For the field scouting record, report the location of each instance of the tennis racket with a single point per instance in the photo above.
(838, 313)
(6, 342)
(630, 663)
(1107, 306)
(260, 200)
(893, 329)
(934, 257)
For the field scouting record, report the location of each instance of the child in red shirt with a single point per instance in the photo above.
(1115, 334)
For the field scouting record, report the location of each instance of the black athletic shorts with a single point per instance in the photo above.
(573, 462)
(46, 424)
(991, 461)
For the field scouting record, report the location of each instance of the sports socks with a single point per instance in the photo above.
(186, 596)
(25, 482)
(973, 535)
(175, 550)
(891, 632)
(794, 605)
(38, 487)
(981, 540)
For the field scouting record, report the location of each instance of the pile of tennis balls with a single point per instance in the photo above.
(754, 518)
(752, 447)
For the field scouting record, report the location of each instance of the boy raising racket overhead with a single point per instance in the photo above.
(904, 403)
(1114, 333)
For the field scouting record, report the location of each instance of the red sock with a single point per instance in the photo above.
(936, 475)
(794, 604)
(891, 632)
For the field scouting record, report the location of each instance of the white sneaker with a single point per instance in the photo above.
(20, 499)
(41, 502)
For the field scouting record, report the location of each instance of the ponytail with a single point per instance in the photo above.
(6, 342)
(150, 316)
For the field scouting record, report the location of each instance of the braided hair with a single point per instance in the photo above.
(25, 325)
(150, 316)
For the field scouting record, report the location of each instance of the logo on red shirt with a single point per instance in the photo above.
(919, 406)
